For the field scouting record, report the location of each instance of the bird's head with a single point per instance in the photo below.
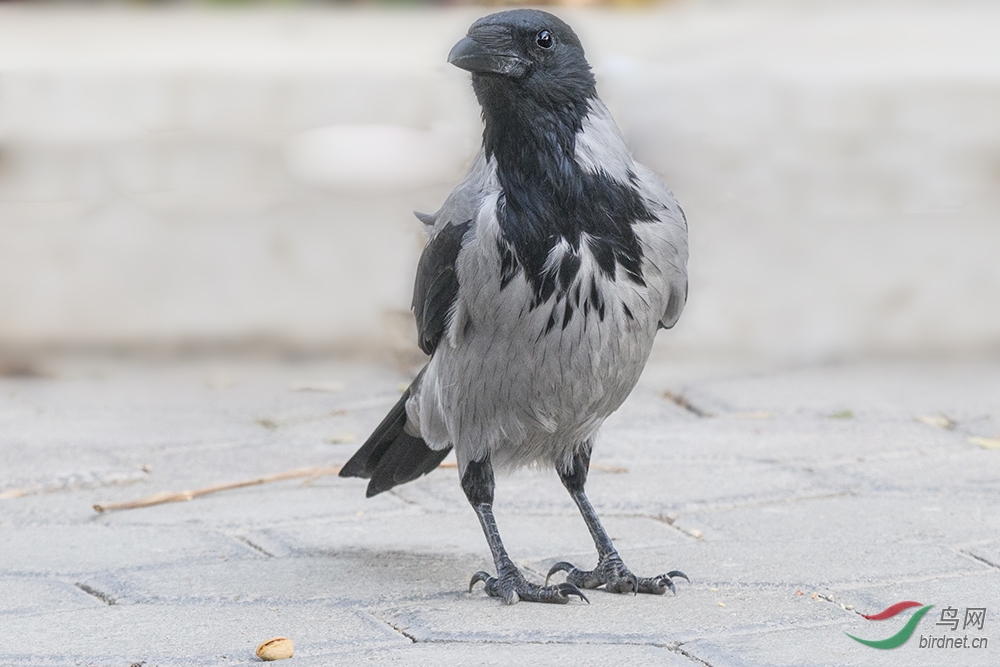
(525, 55)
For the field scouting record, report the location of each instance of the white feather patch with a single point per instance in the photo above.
(600, 146)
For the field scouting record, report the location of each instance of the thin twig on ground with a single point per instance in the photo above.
(180, 496)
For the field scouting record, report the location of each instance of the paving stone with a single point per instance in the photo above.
(849, 520)
(503, 655)
(962, 470)
(284, 503)
(962, 391)
(829, 646)
(106, 418)
(94, 548)
(988, 553)
(790, 439)
(354, 578)
(975, 589)
(762, 513)
(609, 619)
(650, 487)
(167, 635)
(790, 566)
(526, 536)
(25, 596)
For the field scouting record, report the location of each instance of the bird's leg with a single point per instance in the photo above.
(610, 571)
(509, 584)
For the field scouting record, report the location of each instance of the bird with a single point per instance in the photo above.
(546, 275)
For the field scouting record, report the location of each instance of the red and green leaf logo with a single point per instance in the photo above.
(904, 634)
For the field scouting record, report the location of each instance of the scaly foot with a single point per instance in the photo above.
(615, 577)
(512, 587)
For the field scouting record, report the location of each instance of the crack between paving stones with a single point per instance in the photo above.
(100, 595)
(256, 547)
(394, 627)
(689, 656)
(980, 559)
(841, 605)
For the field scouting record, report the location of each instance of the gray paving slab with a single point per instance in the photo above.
(824, 646)
(790, 515)
(827, 647)
(850, 519)
(960, 470)
(166, 635)
(765, 436)
(40, 595)
(502, 655)
(289, 503)
(89, 548)
(610, 619)
(988, 553)
(790, 565)
(526, 536)
(974, 589)
(351, 578)
(964, 391)
(648, 487)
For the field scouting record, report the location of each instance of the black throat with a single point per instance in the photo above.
(547, 197)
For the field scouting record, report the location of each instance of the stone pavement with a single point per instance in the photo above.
(795, 499)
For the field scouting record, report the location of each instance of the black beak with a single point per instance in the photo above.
(479, 58)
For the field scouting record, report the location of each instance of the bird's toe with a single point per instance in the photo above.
(484, 577)
(614, 577)
(513, 588)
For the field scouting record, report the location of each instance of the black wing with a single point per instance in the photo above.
(436, 287)
(391, 456)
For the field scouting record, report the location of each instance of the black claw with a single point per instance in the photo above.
(480, 576)
(614, 581)
(516, 588)
(569, 589)
(612, 574)
(561, 566)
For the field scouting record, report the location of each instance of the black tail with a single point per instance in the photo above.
(392, 456)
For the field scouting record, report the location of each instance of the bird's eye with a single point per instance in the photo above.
(544, 39)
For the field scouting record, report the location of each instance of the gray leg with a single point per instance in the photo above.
(610, 571)
(509, 584)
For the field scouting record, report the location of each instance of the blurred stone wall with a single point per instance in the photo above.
(176, 175)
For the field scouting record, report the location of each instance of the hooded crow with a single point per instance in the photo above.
(548, 272)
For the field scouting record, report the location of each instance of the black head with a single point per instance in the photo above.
(536, 88)
(525, 55)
